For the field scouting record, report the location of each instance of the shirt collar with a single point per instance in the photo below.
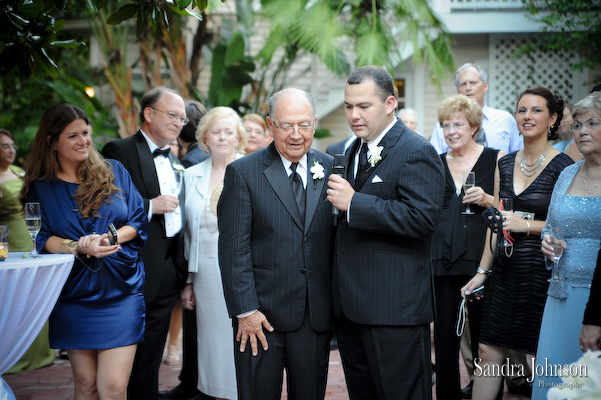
(287, 163)
(151, 144)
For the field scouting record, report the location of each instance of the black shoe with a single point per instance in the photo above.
(525, 389)
(180, 392)
(466, 392)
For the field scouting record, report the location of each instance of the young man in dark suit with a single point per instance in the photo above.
(154, 172)
(392, 197)
(275, 253)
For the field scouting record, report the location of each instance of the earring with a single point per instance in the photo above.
(549, 135)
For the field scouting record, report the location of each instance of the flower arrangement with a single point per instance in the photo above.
(576, 387)
(376, 156)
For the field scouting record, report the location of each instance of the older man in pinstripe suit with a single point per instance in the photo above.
(275, 253)
(392, 195)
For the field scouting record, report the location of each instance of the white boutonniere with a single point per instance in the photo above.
(317, 170)
(178, 167)
(375, 156)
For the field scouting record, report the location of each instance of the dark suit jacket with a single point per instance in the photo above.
(336, 148)
(195, 155)
(592, 313)
(163, 258)
(382, 273)
(269, 259)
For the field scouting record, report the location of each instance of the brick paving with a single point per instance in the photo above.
(55, 381)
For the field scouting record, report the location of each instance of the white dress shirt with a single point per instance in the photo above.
(167, 186)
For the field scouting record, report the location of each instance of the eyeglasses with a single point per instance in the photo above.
(289, 129)
(8, 146)
(174, 116)
(591, 124)
(448, 127)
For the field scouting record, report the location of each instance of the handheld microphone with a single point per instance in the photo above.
(339, 169)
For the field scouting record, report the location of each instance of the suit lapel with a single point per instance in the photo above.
(350, 161)
(314, 189)
(387, 142)
(147, 168)
(280, 183)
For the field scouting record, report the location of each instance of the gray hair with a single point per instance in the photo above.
(292, 92)
(408, 111)
(481, 72)
(592, 102)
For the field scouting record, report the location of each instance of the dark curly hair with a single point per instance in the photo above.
(555, 104)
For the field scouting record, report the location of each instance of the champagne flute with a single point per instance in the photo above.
(557, 243)
(33, 220)
(470, 182)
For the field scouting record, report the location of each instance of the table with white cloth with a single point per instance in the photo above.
(29, 289)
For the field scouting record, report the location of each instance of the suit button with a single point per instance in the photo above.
(306, 238)
(303, 271)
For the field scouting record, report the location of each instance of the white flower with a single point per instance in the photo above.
(375, 156)
(317, 170)
(577, 387)
(178, 167)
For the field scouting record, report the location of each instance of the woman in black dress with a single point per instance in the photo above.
(459, 239)
(517, 288)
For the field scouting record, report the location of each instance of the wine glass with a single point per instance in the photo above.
(176, 185)
(470, 182)
(557, 243)
(33, 220)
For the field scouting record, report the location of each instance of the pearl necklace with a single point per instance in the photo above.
(531, 169)
(586, 186)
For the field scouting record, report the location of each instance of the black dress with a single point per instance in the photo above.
(457, 247)
(517, 288)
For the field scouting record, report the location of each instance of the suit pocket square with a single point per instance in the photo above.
(376, 179)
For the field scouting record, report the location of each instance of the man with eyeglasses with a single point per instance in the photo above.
(275, 253)
(499, 129)
(154, 171)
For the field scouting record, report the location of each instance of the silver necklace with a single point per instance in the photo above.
(531, 169)
(586, 186)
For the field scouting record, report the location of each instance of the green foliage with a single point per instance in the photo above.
(574, 26)
(230, 71)
(377, 31)
(24, 99)
(27, 33)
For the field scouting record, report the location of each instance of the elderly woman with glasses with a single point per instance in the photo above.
(573, 230)
(459, 239)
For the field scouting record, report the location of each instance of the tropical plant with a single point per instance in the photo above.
(573, 26)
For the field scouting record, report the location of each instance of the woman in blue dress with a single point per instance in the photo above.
(100, 315)
(574, 210)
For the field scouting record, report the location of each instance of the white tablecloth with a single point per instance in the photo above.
(29, 289)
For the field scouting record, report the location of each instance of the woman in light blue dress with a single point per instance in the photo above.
(574, 210)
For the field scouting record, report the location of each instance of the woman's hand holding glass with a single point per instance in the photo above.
(477, 195)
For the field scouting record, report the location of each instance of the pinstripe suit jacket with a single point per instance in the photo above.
(270, 260)
(382, 273)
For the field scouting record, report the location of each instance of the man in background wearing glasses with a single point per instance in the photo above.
(275, 253)
(154, 172)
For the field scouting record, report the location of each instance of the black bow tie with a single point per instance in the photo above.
(159, 152)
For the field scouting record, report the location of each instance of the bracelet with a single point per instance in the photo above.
(484, 271)
(528, 225)
(68, 246)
